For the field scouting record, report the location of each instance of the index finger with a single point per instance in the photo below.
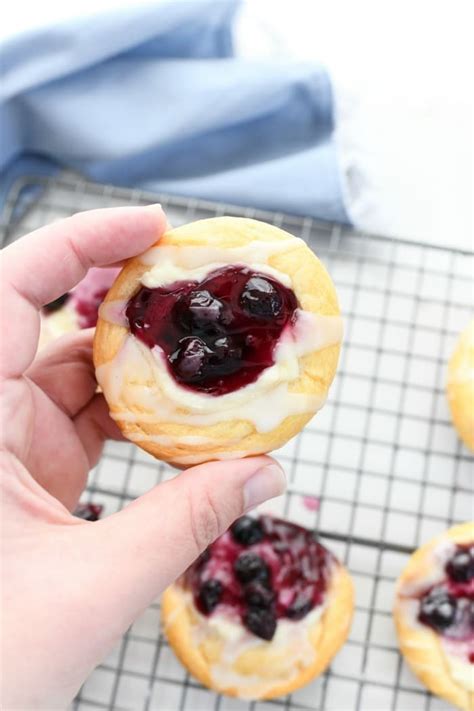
(45, 264)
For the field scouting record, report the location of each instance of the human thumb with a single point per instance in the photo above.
(92, 580)
(147, 545)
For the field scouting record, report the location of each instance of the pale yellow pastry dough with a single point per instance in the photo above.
(421, 646)
(57, 324)
(460, 386)
(267, 669)
(161, 416)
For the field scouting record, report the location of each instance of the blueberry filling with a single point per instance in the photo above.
(88, 512)
(301, 605)
(448, 607)
(263, 569)
(217, 335)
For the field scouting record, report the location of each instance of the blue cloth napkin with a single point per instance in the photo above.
(152, 97)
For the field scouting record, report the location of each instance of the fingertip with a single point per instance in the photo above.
(266, 483)
(140, 228)
(229, 467)
(260, 478)
(158, 214)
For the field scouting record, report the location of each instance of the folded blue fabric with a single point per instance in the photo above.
(153, 98)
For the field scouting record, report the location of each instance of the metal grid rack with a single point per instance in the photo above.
(378, 471)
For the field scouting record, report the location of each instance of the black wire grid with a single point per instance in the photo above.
(382, 457)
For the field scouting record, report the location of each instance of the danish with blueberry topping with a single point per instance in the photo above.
(220, 341)
(78, 308)
(434, 615)
(261, 612)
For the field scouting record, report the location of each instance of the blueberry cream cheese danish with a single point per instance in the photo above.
(220, 341)
(434, 615)
(261, 612)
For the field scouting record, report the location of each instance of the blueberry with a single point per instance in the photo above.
(257, 595)
(261, 299)
(260, 622)
(461, 566)
(144, 295)
(190, 359)
(249, 567)
(437, 609)
(225, 349)
(301, 605)
(56, 304)
(88, 512)
(202, 311)
(210, 595)
(247, 531)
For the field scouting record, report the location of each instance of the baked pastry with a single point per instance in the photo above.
(434, 615)
(460, 386)
(262, 612)
(78, 308)
(219, 342)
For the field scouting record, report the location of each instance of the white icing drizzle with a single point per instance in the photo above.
(265, 403)
(312, 332)
(194, 262)
(194, 256)
(457, 654)
(114, 312)
(167, 273)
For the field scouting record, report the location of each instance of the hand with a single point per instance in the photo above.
(70, 587)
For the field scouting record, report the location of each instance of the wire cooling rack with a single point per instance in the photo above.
(378, 471)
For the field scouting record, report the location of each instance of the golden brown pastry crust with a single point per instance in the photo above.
(460, 386)
(327, 635)
(315, 292)
(421, 646)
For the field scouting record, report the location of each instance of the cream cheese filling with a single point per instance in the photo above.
(457, 656)
(291, 649)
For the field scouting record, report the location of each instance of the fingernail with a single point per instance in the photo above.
(157, 205)
(266, 483)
